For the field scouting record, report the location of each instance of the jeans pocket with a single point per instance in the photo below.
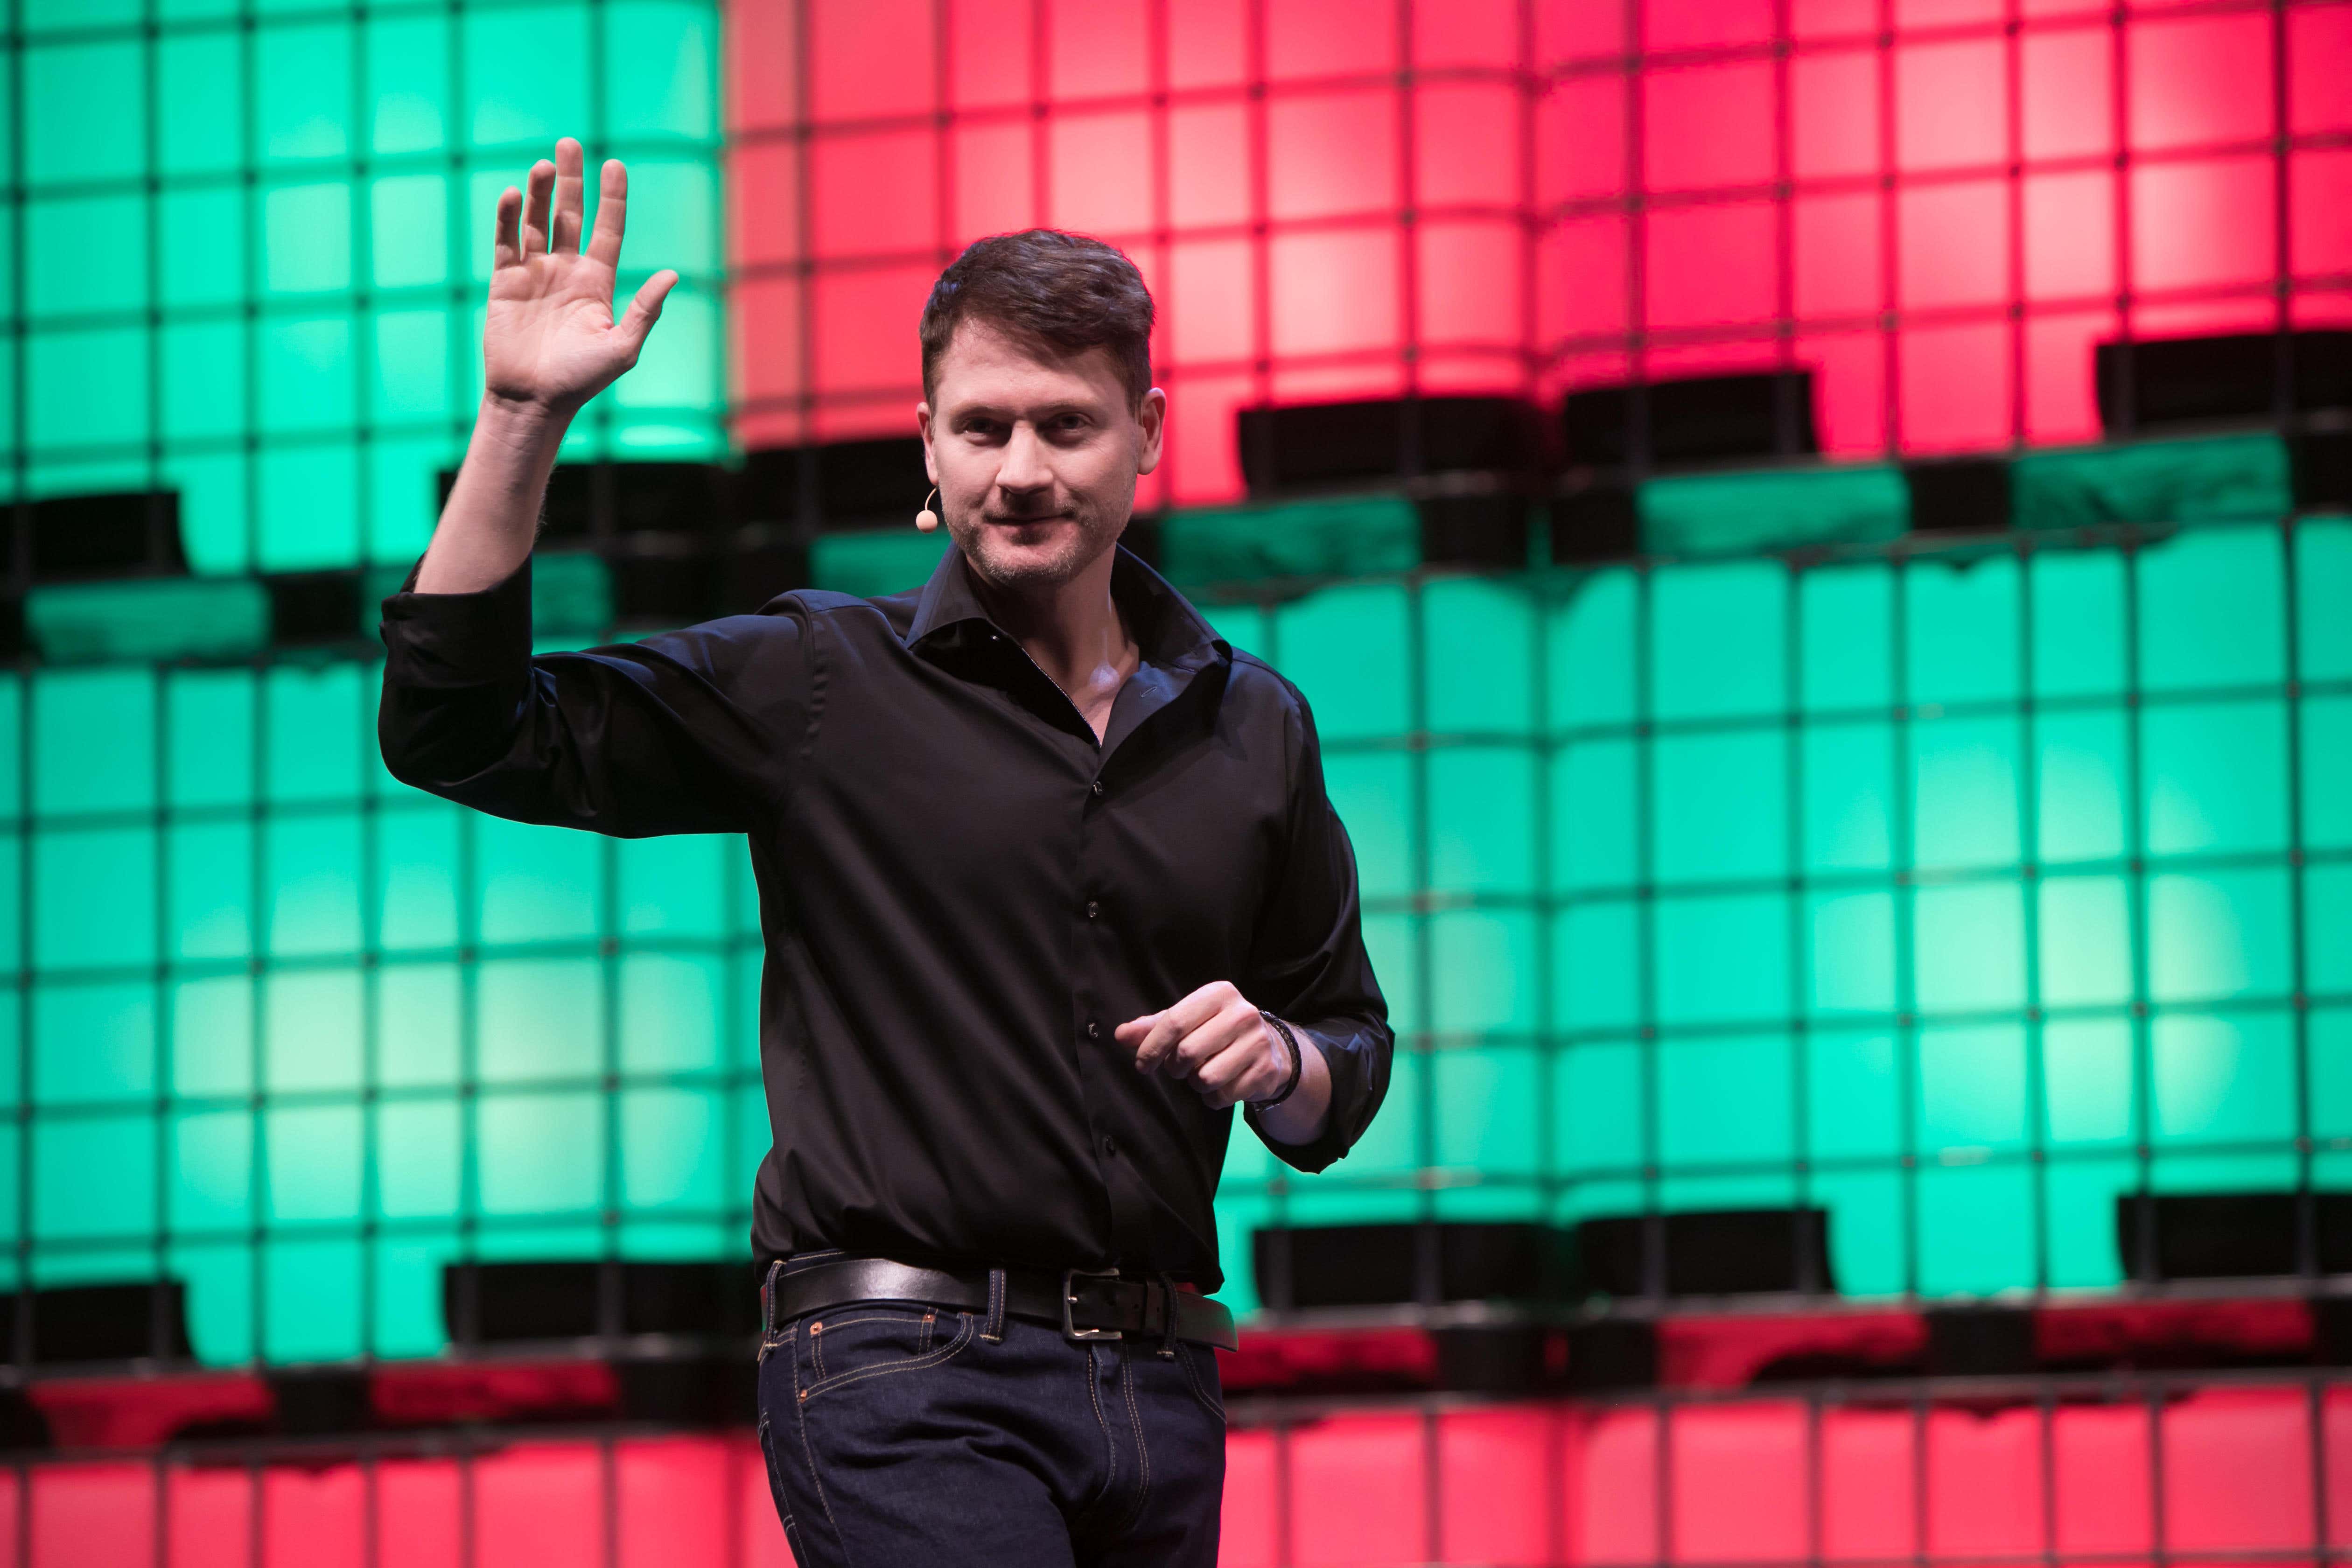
(1200, 1365)
(775, 1480)
(873, 1339)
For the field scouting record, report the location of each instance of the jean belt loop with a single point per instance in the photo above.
(768, 1298)
(1168, 1317)
(994, 1332)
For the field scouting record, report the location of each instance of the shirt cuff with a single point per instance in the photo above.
(488, 629)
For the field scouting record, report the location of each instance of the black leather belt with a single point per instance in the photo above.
(1083, 1305)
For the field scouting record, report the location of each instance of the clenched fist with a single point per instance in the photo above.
(1213, 1039)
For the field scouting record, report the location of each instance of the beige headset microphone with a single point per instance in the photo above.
(927, 519)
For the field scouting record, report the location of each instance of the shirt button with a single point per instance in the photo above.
(1098, 786)
(1111, 1146)
(1093, 1030)
(1093, 908)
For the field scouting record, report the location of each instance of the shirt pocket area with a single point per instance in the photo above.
(865, 1339)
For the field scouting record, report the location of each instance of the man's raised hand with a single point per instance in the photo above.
(1214, 1040)
(550, 341)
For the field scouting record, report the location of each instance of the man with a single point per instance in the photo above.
(1035, 848)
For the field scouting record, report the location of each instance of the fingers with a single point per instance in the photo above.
(564, 238)
(611, 214)
(1171, 1025)
(534, 221)
(506, 249)
(644, 310)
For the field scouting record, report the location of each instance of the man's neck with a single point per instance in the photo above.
(1071, 629)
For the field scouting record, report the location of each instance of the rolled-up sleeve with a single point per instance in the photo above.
(685, 732)
(1310, 968)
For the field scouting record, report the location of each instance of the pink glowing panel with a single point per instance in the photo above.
(1582, 271)
(2320, 197)
(208, 1517)
(867, 58)
(1836, 252)
(1101, 172)
(1951, 106)
(1565, 33)
(1954, 388)
(419, 1513)
(992, 53)
(995, 183)
(2066, 86)
(1334, 291)
(1911, 13)
(1817, 19)
(1211, 48)
(1952, 245)
(1705, 127)
(1246, 1532)
(1310, 38)
(1668, 25)
(1331, 155)
(92, 1513)
(1452, 253)
(1867, 1467)
(2237, 1471)
(1466, 33)
(537, 1503)
(1848, 391)
(1496, 1470)
(2099, 1462)
(2336, 1442)
(1206, 304)
(671, 1497)
(1581, 139)
(1209, 165)
(2060, 406)
(1613, 1485)
(763, 80)
(874, 193)
(1095, 50)
(765, 230)
(2202, 224)
(1684, 278)
(1201, 465)
(316, 1518)
(2319, 69)
(1466, 145)
(865, 324)
(2198, 81)
(1740, 1483)
(2069, 235)
(1984, 1481)
(1834, 114)
(1356, 1493)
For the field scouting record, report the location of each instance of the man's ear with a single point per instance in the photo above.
(923, 428)
(1153, 415)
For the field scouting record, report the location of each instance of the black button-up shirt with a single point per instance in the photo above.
(963, 890)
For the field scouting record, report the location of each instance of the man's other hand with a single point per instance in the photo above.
(1213, 1039)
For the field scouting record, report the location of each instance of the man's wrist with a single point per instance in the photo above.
(1298, 1062)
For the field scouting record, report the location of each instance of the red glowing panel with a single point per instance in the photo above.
(1453, 311)
(865, 324)
(538, 1502)
(1334, 292)
(1709, 266)
(1668, 25)
(2099, 1460)
(992, 49)
(2321, 195)
(2318, 68)
(1208, 166)
(1912, 14)
(994, 178)
(1318, 381)
(1867, 1478)
(1493, 1480)
(209, 1518)
(762, 77)
(1834, 114)
(1581, 139)
(1740, 1483)
(1466, 33)
(2199, 80)
(1101, 167)
(1705, 127)
(1582, 275)
(2065, 97)
(1096, 48)
(418, 1513)
(1246, 1534)
(93, 1513)
(1952, 245)
(1201, 464)
(2069, 235)
(1466, 145)
(1356, 1492)
(1306, 38)
(2203, 224)
(2060, 406)
(765, 179)
(1813, 19)
(1614, 1483)
(671, 1496)
(1211, 48)
(1836, 256)
(1954, 388)
(2336, 1446)
(2237, 1471)
(869, 58)
(1984, 1481)
(1330, 154)
(1951, 106)
(1207, 306)
(1848, 391)
(871, 195)
(1579, 33)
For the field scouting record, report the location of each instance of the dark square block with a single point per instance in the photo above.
(702, 500)
(125, 533)
(100, 1322)
(1958, 495)
(1598, 523)
(1725, 1252)
(2321, 463)
(313, 608)
(1381, 1265)
(2228, 1235)
(2227, 377)
(1474, 529)
(1695, 419)
(1611, 1355)
(1310, 446)
(1979, 1341)
(489, 1303)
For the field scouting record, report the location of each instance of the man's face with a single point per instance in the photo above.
(1035, 457)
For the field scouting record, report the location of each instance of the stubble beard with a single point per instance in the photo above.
(1025, 569)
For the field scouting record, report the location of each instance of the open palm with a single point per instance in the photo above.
(550, 337)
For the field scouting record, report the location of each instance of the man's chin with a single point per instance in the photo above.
(1003, 558)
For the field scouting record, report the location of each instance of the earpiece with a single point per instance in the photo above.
(927, 519)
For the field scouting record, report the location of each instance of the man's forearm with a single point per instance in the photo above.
(1300, 1118)
(492, 515)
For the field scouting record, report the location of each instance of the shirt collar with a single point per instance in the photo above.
(1168, 630)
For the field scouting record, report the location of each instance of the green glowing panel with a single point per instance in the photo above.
(1596, 967)
(2212, 609)
(1595, 820)
(1352, 536)
(2151, 482)
(1853, 1096)
(1590, 643)
(1718, 647)
(2223, 1079)
(1482, 819)
(1976, 1232)
(1597, 1109)
(1727, 1101)
(1348, 648)
(1372, 792)
(2089, 1082)
(670, 1012)
(1964, 790)
(1719, 811)
(1722, 960)
(1847, 618)
(1481, 638)
(2218, 935)
(2215, 775)
(1727, 514)
(1484, 975)
(1851, 951)
(1960, 630)
(1972, 1087)
(541, 1018)
(1487, 1110)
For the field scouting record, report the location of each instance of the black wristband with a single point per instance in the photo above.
(1298, 1063)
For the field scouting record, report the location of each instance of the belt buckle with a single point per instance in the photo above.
(1070, 1330)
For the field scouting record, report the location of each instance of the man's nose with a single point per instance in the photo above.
(1023, 469)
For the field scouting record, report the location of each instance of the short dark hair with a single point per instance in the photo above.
(1065, 292)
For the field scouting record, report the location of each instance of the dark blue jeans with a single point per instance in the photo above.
(898, 1434)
